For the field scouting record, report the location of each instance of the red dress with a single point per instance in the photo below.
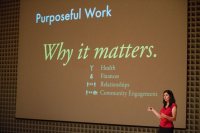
(167, 111)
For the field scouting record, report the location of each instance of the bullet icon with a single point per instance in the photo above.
(92, 92)
(91, 84)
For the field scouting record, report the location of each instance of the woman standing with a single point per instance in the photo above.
(167, 113)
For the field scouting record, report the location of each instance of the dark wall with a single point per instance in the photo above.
(9, 34)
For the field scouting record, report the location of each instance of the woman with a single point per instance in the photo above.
(167, 113)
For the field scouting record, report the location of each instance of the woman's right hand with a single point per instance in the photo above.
(150, 109)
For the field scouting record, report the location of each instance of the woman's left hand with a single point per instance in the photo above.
(163, 115)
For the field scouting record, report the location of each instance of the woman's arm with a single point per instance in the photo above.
(154, 111)
(173, 118)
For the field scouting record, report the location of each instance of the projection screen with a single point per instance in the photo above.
(101, 61)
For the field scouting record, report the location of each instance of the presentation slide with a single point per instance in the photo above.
(101, 61)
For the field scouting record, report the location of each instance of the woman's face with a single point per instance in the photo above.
(166, 97)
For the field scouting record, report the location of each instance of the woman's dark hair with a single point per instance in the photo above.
(171, 100)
